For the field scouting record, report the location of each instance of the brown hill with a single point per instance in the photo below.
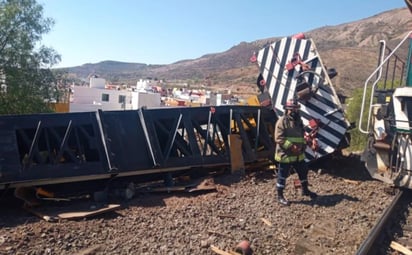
(351, 48)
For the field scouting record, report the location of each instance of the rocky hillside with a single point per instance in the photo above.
(351, 48)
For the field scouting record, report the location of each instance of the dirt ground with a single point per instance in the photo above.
(241, 207)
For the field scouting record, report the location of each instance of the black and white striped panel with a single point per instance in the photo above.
(281, 85)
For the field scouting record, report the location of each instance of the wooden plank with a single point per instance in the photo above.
(222, 252)
(236, 157)
(266, 222)
(52, 214)
(405, 241)
(399, 247)
(351, 181)
(88, 213)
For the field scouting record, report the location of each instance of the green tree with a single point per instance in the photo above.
(27, 81)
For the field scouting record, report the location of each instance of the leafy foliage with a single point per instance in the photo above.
(358, 139)
(27, 82)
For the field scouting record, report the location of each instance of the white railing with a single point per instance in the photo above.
(377, 71)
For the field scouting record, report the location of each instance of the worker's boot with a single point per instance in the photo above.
(281, 199)
(307, 192)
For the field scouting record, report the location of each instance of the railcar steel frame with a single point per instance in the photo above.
(41, 149)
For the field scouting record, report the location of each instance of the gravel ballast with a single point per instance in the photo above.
(243, 207)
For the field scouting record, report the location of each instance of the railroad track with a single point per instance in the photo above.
(393, 230)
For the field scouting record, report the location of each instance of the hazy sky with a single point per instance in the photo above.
(166, 31)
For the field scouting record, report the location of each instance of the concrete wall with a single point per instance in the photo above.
(141, 99)
(90, 99)
(97, 83)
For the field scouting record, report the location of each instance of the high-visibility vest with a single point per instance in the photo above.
(289, 132)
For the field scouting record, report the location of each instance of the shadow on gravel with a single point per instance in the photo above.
(326, 200)
(264, 176)
(346, 166)
(13, 212)
(12, 217)
(148, 200)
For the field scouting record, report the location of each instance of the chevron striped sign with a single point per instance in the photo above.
(292, 68)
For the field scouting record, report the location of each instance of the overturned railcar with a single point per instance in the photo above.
(386, 116)
(45, 149)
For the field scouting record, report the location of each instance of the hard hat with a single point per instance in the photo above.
(291, 104)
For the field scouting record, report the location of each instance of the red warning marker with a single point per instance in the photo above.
(262, 83)
(299, 36)
(253, 58)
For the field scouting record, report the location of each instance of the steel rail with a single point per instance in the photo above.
(369, 242)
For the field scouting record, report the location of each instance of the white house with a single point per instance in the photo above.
(96, 96)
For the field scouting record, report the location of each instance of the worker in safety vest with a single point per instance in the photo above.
(290, 150)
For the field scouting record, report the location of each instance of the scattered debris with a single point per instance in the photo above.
(40, 214)
(207, 184)
(52, 214)
(399, 247)
(351, 181)
(244, 248)
(88, 213)
(297, 184)
(222, 252)
(266, 222)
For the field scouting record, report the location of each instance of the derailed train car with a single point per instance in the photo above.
(46, 149)
(386, 113)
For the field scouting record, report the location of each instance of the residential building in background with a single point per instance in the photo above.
(99, 95)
